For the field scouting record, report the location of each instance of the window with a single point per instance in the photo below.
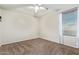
(69, 19)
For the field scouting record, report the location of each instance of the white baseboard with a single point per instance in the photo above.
(57, 41)
(26, 38)
(50, 38)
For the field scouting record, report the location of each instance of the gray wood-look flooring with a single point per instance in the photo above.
(37, 46)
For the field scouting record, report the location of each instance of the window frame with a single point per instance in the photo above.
(61, 36)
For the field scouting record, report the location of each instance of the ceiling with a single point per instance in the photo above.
(49, 6)
(22, 8)
(12, 6)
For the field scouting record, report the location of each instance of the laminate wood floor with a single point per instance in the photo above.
(37, 46)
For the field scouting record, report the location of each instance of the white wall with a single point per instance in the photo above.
(1, 27)
(49, 26)
(17, 27)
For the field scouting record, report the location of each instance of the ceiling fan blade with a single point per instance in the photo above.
(42, 8)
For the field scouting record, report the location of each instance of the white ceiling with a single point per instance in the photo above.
(22, 8)
(49, 6)
(12, 6)
(60, 6)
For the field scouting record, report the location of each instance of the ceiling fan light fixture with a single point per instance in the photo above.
(36, 8)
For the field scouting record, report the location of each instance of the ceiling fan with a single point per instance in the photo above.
(37, 8)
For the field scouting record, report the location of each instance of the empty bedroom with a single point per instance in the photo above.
(39, 29)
